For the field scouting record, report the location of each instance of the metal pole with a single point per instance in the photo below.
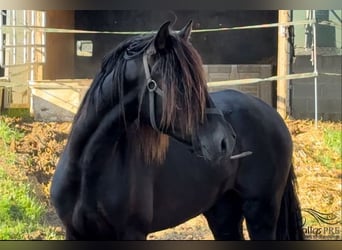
(1, 42)
(314, 61)
(14, 37)
(32, 59)
(32, 56)
(43, 37)
(25, 36)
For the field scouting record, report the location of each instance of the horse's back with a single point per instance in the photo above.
(245, 110)
(261, 130)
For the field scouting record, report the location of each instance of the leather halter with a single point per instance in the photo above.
(152, 88)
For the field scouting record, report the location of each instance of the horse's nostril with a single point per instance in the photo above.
(224, 145)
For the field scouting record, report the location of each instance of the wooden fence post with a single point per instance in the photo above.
(283, 64)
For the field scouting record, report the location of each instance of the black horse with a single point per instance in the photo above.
(150, 149)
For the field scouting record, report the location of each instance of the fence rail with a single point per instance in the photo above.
(4, 29)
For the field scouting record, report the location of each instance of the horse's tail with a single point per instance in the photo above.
(290, 218)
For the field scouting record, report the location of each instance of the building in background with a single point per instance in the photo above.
(49, 72)
(329, 66)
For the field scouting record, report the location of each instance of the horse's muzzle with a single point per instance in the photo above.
(215, 144)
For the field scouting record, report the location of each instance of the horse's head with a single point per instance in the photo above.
(173, 96)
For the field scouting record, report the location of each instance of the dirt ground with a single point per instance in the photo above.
(319, 187)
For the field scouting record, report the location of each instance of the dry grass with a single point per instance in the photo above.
(319, 185)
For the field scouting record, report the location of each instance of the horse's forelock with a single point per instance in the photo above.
(185, 84)
(183, 81)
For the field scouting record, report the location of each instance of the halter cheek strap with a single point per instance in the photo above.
(153, 89)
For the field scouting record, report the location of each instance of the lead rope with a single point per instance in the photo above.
(241, 155)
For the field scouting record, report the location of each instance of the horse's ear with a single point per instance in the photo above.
(162, 37)
(186, 31)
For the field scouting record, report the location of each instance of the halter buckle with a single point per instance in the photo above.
(152, 85)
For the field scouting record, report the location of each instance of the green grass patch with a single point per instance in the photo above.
(7, 136)
(17, 112)
(333, 140)
(327, 161)
(21, 213)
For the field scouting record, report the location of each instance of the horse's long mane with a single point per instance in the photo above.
(94, 104)
(114, 62)
(184, 83)
(182, 80)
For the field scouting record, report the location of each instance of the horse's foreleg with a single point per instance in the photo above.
(225, 217)
(132, 234)
(70, 234)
